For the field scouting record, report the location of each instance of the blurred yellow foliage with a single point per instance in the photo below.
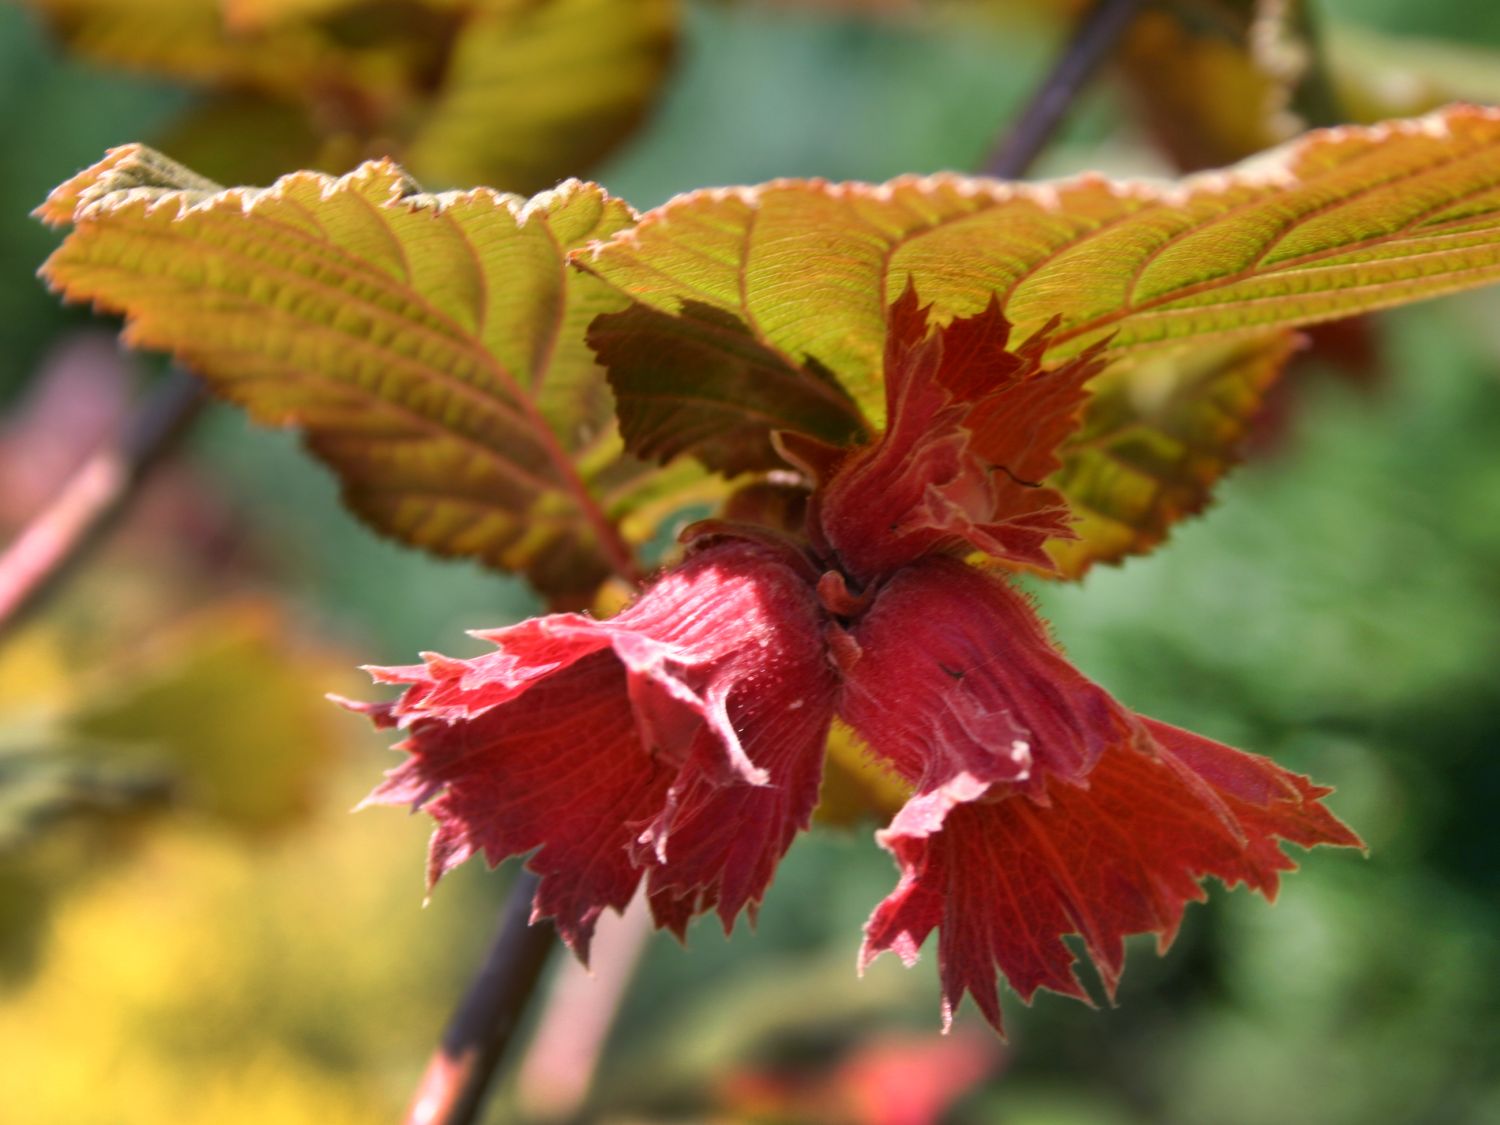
(205, 981)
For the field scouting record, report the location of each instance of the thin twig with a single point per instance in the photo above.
(93, 498)
(1098, 31)
(458, 1074)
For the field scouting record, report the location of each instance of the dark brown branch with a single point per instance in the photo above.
(1098, 31)
(458, 1074)
(93, 498)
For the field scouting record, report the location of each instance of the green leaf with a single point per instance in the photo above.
(430, 348)
(220, 705)
(1344, 221)
(1160, 431)
(534, 91)
(701, 383)
(516, 94)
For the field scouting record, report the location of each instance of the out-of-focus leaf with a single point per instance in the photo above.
(1378, 76)
(45, 784)
(535, 90)
(1220, 81)
(1344, 221)
(252, 15)
(515, 94)
(214, 712)
(1158, 434)
(222, 704)
(701, 383)
(430, 348)
(188, 39)
(241, 135)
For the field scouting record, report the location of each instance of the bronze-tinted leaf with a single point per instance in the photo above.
(430, 348)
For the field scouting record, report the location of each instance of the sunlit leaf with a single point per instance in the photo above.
(1344, 221)
(430, 348)
(1159, 433)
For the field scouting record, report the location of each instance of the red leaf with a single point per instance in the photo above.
(951, 676)
(973, 429)
(1094, 821)
(684, 737)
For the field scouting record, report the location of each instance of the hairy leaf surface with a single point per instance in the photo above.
(430, 348)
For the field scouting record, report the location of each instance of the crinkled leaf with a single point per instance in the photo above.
(701, 383)
(1159, 433)
(1344, 221)
(430, 348)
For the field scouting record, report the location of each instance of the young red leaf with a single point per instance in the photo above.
(682, 738)
(972, 430)
(1042, 806)
(1036, 806)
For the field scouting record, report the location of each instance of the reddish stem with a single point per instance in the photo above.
(93, 498)
(458, 1074)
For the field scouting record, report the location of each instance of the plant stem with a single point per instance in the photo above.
(458, 1074)
(93, 498)
(1098, 30)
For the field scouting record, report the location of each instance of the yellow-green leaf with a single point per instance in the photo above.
(1159, 432)
(515, 94)
(430, 348)
(1344, 221)
(535, 90)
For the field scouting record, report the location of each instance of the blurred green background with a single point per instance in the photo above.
(218, 959)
